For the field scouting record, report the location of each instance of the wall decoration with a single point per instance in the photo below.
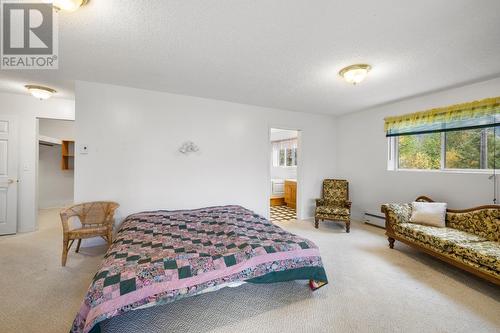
(188, 147)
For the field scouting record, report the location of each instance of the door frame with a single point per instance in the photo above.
(14, 139)
(300, 133)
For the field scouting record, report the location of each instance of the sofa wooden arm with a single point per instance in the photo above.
(424, 198)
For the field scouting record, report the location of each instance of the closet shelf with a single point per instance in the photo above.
(68, 154)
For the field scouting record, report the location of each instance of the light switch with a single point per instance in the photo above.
(84, 149)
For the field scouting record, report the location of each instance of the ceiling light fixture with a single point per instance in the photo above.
(355, 73)
(40, 92)
(68, 5)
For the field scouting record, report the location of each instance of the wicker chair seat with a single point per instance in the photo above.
(87, 232)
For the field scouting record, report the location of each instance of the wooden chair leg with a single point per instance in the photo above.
(78, 245)
(316, 223)
(64, 253)
(348, 226)
(391, 242)
(110, 237)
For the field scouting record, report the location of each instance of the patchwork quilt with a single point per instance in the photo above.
(159, 257)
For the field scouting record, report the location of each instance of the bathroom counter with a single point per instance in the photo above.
(291, 193)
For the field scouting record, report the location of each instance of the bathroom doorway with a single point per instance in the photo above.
(284, 162)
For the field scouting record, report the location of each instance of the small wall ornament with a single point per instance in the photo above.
(188, 147)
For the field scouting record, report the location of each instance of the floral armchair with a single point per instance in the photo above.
(335, 204)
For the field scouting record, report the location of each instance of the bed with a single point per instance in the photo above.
(162, 256)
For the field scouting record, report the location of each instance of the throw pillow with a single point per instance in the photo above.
(429, 213)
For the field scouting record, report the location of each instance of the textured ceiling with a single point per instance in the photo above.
(277, 53)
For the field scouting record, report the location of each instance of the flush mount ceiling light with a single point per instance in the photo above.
(40, 92)
(68, 5)
(355, 73)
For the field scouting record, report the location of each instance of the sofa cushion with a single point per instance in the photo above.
(484, 222)
(441, 238)
(483, 253)
(330, 210)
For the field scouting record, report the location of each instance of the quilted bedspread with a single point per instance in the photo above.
(162, 256)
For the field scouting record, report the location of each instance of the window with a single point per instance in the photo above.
(457, 137)
(285, 153)
(468, 149)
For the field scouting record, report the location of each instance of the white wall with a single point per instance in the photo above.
(283, 172)
(362, 157)
(59, 129)
(27, 109)
(55, 186)
(134, 135)
(278, 134)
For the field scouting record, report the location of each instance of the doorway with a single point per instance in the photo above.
(56, 151)
(284, 162)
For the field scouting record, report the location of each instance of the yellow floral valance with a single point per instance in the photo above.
(483, 113)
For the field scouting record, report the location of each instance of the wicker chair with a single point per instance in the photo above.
(97, 219)
(335, 204)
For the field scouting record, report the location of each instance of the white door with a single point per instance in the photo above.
(8, 175)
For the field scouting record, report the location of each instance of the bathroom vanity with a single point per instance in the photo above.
(291, 193)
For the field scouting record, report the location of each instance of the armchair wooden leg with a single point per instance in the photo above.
(78, 245)
(391, 242)
(64, 253)
(110, 237)
(316, 223)
(348, 226)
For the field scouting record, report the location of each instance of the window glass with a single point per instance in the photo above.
(463, 149)
(422, 151)
(493, 146)
(282, 157)
(289, 159)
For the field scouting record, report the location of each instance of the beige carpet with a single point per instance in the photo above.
(372, 289)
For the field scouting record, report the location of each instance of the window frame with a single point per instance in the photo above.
(393, 159)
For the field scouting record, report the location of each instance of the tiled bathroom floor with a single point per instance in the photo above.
(282, 213)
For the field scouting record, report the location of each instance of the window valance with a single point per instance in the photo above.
(285, 144)
(477, 114)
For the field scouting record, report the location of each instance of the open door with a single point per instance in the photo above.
(8, 175)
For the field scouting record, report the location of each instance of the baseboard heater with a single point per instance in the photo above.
(375, 219)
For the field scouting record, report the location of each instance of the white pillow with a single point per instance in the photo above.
(429, 213)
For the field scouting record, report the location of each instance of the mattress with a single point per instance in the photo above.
(162, 256)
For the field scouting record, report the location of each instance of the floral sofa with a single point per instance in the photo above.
(471, 239)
